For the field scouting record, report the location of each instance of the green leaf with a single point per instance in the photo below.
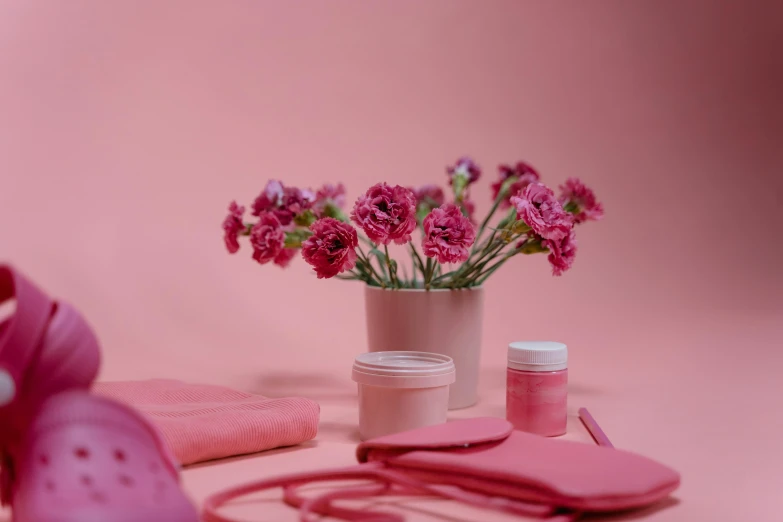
(305, 219)
(510, 218)
(333, 211)
(520, 227)
(422, 212)
(295, 238)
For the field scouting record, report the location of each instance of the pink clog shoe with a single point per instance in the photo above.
(90, 459)
(67, 456)
(45, 347)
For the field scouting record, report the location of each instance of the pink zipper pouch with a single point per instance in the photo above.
(485, 455)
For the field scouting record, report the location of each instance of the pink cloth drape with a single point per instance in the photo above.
(204, 422)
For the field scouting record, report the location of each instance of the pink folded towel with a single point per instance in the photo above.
(203, 422)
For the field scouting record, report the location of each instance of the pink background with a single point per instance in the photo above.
(127, 127)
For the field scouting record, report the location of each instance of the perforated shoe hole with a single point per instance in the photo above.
(43, 459)
(98, 497)
(126, 481)
(119, 455)
(86, 480)
(81, 453)
(49, 485)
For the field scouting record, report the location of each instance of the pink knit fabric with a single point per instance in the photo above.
(204, 422)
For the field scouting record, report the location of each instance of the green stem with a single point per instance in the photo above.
(470, 262)
(413, 268)
(489, 252)
(441, 277)
(366, 241)
(392, 276)
(415, 253)
(368, 263)
(404, 280)
(428, 274)
(480, 278)
(353, 276)
(495, 205)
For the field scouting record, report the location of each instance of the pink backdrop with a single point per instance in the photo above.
(127, 127)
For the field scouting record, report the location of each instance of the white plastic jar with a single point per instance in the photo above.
(401, 391)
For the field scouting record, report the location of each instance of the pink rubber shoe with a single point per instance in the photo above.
(90, 459)
(68, 456)
(45, 347)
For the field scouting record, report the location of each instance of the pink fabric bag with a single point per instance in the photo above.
(204, 422)
(485, 463)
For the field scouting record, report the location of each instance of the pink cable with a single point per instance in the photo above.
(397, 483)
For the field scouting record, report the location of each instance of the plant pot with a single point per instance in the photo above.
(448, 322)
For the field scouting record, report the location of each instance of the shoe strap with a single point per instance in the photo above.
(22, 335)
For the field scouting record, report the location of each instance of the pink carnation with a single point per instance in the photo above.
(539, 209)
(232, 226)
(386, 213)
(332, 247)
(465, 167)
(284, 202)
(561, 253)
(269, 199)
(267, 237)
(329, 195)
(524, 174)
(576, 194)
(447, 234)
(283, 259)
(294, 202)
(430, 195)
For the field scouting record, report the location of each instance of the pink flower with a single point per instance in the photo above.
(524, 175)
(465, 168)
(269, 199)
(539, 209)
(386, 213)
(283, 259)
(332, 247)
(429, 195)
(267, 237)
(294, 202)
(579, 199)
(447, 234)
(561, 253)
(284, 202)
(327, 195)
(232, 226)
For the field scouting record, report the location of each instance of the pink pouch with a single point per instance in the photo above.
(482, 462)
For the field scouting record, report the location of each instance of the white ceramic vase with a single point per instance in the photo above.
(448, 322)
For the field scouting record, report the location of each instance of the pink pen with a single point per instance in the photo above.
(594, 429)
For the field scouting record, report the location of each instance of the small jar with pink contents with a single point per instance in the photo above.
(537, 387)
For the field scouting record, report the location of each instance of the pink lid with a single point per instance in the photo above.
(404, 369)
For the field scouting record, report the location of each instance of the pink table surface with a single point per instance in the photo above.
(713, 417)
(704, 398)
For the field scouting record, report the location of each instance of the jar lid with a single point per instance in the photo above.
(404, 369)
(537, 356)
